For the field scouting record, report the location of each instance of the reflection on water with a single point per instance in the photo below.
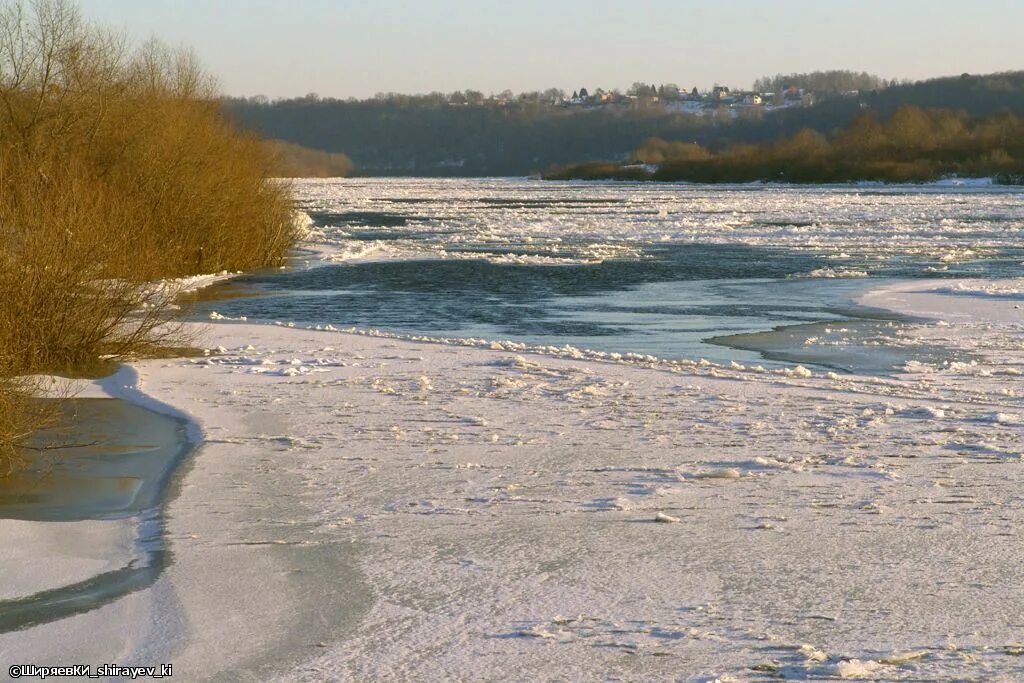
(115, 463)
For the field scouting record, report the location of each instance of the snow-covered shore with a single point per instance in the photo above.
(365, 507)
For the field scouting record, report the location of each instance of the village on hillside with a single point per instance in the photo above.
(718, 101)
(770, 93)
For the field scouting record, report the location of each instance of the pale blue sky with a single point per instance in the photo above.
(355, 48)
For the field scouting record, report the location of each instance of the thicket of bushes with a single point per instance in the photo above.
(116, 169)
(295, 161)
(913, 145)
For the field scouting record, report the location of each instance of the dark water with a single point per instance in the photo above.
(116, 461)
(676, 301)
(727, 273)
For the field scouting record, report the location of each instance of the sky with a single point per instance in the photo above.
(356, 48)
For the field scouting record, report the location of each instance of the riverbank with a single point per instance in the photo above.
(365, 506)
(603, 170)
(913, 145)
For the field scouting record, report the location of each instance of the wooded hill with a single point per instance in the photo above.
(471, 135)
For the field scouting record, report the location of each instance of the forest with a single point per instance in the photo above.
(912, 145)
(470, 134)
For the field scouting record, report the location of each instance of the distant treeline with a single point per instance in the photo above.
(913, 145)
(294, 161)
(466, 133)
(823, 82)
(392, 137)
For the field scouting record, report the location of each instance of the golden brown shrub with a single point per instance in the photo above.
(116, 169)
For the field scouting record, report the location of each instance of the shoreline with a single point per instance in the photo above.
(98, 507)
(972, 182)
(459, 515)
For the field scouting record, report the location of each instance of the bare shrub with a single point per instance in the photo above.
(295, 161)
(116, 169)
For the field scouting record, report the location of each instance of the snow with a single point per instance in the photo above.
(1010, 289)
(303, 224)
(76, 551)
(164, 290)
(523, 221)
(366, 505)
(855, 668)
(964, 182)
(832, 273)
(370, 506)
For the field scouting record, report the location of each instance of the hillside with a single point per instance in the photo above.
(435, 135)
